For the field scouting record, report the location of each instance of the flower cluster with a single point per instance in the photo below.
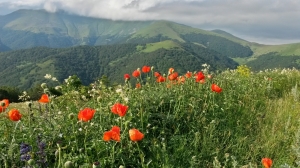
(24, 152)
(41, 153)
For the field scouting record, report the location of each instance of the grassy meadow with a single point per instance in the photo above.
(232, 118)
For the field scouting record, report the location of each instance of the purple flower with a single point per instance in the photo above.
(24, 150)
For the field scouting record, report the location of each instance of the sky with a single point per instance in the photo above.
(261, 21)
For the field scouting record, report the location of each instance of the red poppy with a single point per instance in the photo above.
(181, 79)
(3, 105)
(188, 74)
(86, 114)
(173, 76)
(171, 70)
(138, 85)
(126, 76)
(216, 88)
(119, 109)
(267, 162)
(199, 76)
(113, 134)
(160, 79)
(14, 115)
(156, 74)
(136, 73)
(44, 98)
(135, 135)
(146, 69)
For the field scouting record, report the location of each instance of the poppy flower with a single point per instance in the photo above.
(113, 134)
(160, 79)
(202, 81)
(44, 98)
(126, 76)
(14, 115)
(86, 114)
(138, 85)
(216, 88)
(136, 73)
(119, 109)
(188, 74)
(171, 70)
(135, 135)
(267, 162)
(181, 79)
(173, 76)
(3, 105)
(146, 69)
(156, 74)
(199, 76)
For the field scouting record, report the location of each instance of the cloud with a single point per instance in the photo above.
(258, 19)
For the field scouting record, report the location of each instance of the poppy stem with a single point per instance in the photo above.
(141, 155)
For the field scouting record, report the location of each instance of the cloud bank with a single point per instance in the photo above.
(267, 21)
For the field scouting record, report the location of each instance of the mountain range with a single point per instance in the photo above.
(34, 42)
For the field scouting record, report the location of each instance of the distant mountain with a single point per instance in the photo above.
(3, 47)
(63, 44)
(30, 28)
(26, 68)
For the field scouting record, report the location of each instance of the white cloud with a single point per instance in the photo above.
(278, 19)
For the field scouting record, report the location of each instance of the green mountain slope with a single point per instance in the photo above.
(30, 28)
(27, 67)
(163, 30)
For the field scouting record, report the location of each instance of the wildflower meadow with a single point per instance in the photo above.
(230, 118)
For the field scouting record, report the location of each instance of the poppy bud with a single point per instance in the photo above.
(71, 116)
(56, 153)
(68, 164)
(31, 162)
(44, 85)
(96, 164)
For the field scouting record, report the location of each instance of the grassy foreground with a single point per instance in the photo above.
(232, 118)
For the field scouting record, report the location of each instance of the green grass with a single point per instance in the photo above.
(168, 44)
(284, 49)
(184, 124)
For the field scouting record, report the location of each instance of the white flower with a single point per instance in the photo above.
(47, 76)
(126, 99)
(57, 87)
(54, 79)
(119, 90)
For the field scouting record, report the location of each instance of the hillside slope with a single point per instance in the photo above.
(30, 28)
(27, 67)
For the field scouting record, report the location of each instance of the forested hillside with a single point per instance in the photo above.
(274, 60)
(27, 67)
